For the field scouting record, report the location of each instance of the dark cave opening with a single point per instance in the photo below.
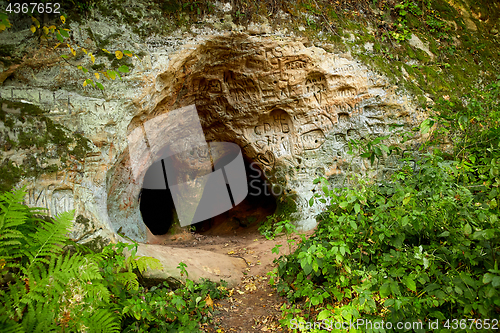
(257, 205)
(158, 209)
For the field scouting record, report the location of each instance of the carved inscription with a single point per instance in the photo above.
(208, 85)
(344, 70)
(266, 158)
(344, 92)
(299, 64)
(241, 88)
(55, 202)
(274, 135)
(62, 201)
(316, 85)
(313, 139)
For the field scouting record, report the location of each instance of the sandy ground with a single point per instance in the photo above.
(253, 306)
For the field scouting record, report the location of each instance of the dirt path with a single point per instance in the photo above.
(253, 305)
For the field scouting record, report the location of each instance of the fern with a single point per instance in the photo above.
(142, 263)
(13, 231)
(55, 291)
(103, 322)
(49, 239)
(39, 318)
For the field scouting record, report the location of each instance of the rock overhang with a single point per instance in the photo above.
(291, 108)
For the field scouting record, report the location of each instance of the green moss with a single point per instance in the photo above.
(170, 6)
(445, 10)
(97, 244)
(43, 132)
(26, 108)
(286, 206)
(98, 67)
(7, 50)
(409, 51)
(81, 148)
(422, 56)
(105, 42)
(80, 219)
(9, 175)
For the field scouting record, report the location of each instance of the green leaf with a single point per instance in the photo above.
(357, 208)
(426, 125)
(307, 269)
(404, 220)
(123, 69)
(311, 201)
(385, 148)
(323, 315)
(59, 37)
(410, 284)
(354, 225)
(496, 281)
(99, 85)
(64, 56)
(64, 33)
(325, 189)
(467, 229)
(385, 290)
(493, 203)
(111, 74)
(406, 198)
(344, 204)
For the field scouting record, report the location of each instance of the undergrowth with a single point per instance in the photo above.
(49, 284)
(421, 249)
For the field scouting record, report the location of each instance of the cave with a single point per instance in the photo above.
(247, 215)
(158, 212)
(279, 103)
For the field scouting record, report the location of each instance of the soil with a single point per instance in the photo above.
(254, 305)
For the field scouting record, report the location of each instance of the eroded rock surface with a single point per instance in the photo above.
(290, 106)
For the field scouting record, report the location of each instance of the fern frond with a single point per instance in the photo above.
(98, 292)
(13, 213)
(50, 237)
(8, 325)
(12, 217)
(10, 297)
(40, 319)
(128, 279)
(103, 321)
(142, 263)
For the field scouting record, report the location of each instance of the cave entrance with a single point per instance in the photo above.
(246, 216)
(156, 203)
(159, 214)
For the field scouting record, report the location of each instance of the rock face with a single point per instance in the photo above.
(291, 107)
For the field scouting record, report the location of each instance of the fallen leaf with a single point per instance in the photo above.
(209, 302)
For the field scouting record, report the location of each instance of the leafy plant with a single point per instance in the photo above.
(63, 36)
(48, 283)
(424, 246)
